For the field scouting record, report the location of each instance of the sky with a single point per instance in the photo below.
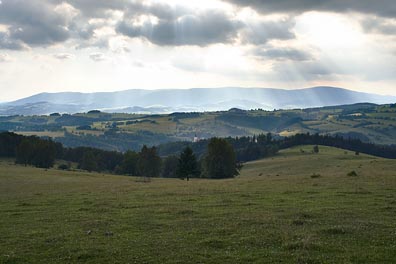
(101, 45)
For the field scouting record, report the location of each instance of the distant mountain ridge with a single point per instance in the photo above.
(188, 100)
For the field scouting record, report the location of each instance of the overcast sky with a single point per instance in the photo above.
(102, 45)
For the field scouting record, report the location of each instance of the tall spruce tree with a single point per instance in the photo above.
(188, 165)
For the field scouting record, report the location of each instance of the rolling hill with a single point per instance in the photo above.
(119, 131)
(188, 100)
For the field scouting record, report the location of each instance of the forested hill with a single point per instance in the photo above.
(369, 123)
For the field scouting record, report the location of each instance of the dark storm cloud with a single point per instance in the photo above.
(95, 8)
(39, 23)
(101, 8)
(7, 43)
(32, 22)
(386, 8)
(261, 32)
(282, 54)
(379, 25)
(35, 35)
(192, 29)
(182, 26)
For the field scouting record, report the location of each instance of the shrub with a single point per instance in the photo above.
(315, 175)
(352, 173)
(64, 167)
(315, 149)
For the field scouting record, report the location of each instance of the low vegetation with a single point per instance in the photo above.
(273, 212)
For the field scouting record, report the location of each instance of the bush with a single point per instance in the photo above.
(315, 149)
(315, 175)
(352, 173)
(64, 167)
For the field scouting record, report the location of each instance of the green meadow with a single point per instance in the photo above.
(297, 207)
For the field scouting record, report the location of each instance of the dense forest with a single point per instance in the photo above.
(211, 158)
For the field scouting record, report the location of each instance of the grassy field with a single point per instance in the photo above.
(294, 208)
(52, 134)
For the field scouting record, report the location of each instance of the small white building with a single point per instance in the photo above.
(196, 138)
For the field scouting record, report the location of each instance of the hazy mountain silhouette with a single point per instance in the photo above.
(197, 99)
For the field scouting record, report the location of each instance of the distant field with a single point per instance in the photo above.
(51, 134)
(294, 208)
(121, 132)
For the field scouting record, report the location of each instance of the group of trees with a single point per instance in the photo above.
(29, 150)
(219, 161)
(214, 158)
(247, 148)
(36, 152)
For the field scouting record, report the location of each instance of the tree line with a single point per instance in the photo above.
(212, 158)
(352, 144)
(247, 148)
(218, 162)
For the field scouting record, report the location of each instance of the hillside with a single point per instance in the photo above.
(188, 100)
(367, 122)
(293, 208)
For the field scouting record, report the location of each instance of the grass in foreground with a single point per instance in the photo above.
(293, 208)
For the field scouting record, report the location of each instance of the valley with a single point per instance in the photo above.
(117, 131)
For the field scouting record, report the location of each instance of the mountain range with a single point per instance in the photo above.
(188, 100)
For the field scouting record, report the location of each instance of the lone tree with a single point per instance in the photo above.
(188, 165)
(316, 149)
(149, 163)
(220, 160)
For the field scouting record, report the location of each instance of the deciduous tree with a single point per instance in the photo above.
(220, 160)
